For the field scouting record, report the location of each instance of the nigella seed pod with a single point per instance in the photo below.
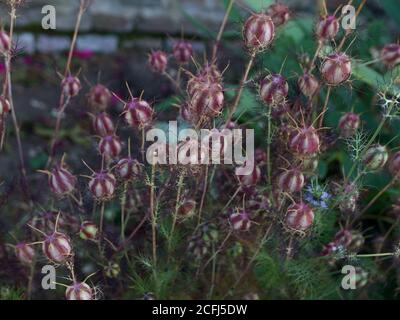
(110, 146)
(304, 142)
(394, 165)
(158, 61)
(25, 253)
(197, 247)
(4, 106)
(390, 55)
(258, 31)
(308, 85)
(57, 247)
(5, 43)
(343, 238)
(71, 86)
(279, 13)
(348, 124)
(182, 51)
(260, 156)
(112, 270)
(186, 114)
(240, 221)
(375, 157)
(127, 168)
(327, 28)
(207, 100)
(138, 112)
(251, 179)
(291, 181)
(329, 249)
(79, 291)
(187, 209)
(103, 124)
(336, 68)
(102, 185)
(99, 97)
(88, 230)
(274, 89)
(61, 181)
(299, 217)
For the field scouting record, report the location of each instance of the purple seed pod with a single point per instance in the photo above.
(197, 247)
(327, 28)
(390, 55)
(138, 113)
(274, 89)
(304, 142)
(260, 156)
(110, 146)
(329, 249)
(343, 238)
(57, 247)
(291, 181)
(348, 124)
(308, 85)
(240, 221)
(103, 124)
(128, 168)
(61, 181)
(5, 43)
(375, 157)
(102, 185)
(158, 61)
(79, 291)
(394, 165)
(251, 179)
(71, 86)
(88, 230)
(299, 217)
(99, 97)
(182, 51)
(336, 68)
(258, 31)
(25, 253)
(279, 13)
(187, 208)
(5, 107)
(207, 100)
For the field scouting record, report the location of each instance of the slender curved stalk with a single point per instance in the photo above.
(222, 28)
(178, 197)
(378, 195)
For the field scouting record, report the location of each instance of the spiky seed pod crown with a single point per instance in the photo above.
(274, 89)
(158, 61)
(57, 247)
(279, 13)
(240, 221)
(299, 217)
(99, 97)
(4, 106)
(88, 230)
(308, 85)
(258, 31)
(390, 55)
(394, 165)
(110, 146)
(102, 185)
(61, 181)
(375, 157)
(336, 68)
(291, 181)
(71, 86)
(79, 291)
(182, 51)
(128, 167)
(138, 112)
(5, 43)
(327, 28)
(348, 124)
(25, 253)
(46, 221)
(103, 124)
(304, 142)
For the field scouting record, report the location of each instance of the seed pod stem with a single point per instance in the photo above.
(222, 28)
(378, 195)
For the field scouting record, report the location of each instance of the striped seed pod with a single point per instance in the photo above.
(5, 43)
(61, 181)
(182, 51)
(88, 230)
(5, 107)
(102, 185)
(71, 86)
(57, 247)
(128, 168)
(299, 217)
(336, 68)
(103, 124)
(79, 291)
(327, 28)
(291, 181)
(251, 179)
(279, 13)
(240, 221)
(25, 253)
(138, 112)
(375, 157)
(258, 31)
(390, 55)
(207, 100)
(308, 85)
(110, 146)
(158, 61)
(274, 89)
(304, 142)
(394, 165)
(99, 97)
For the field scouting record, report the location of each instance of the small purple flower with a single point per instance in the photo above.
(317, 196)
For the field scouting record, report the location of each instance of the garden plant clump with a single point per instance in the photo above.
(323, 102)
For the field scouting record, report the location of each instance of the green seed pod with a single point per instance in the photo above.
(376, 157)
(112, 270)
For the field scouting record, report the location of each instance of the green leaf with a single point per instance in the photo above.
(258, 5)
(392, 9)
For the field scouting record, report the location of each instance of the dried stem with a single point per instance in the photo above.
(221, 29)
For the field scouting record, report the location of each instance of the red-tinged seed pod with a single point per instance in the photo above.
(99, 97)
(343, 238)
(79, 291)
(336, 68)
(110, 146)
(71, 86)
(187, 208)
(394, 165)
(88, 230)
(57, 247)
(251, 179)
(207, 100)
(274, 89)
(103, 124)
(390, 55)
(185, 113)
(260, 156)
(182, 51)
(327, 28)
(304, 142)
(329, 249)
(240, 221)
(375, 157)
(138, 112)
(348, 124)
(25, 253)
(158, 61)
(308, 85)
(209, 72)
(5, 107)
(258, 31)
(291, 181)
(102, 185)
(5, 43)
(279, 13)
(299, 217)
(61, 181)
(128, 168)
